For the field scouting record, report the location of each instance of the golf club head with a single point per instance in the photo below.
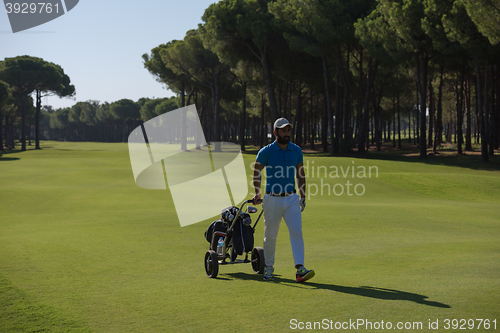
(251, 209)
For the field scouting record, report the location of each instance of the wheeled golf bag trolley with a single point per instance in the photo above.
(231, 236)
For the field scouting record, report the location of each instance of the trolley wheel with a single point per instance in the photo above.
(259, 263)
(211, 264)
(233, 254)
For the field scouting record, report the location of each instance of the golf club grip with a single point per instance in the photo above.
(252, 202)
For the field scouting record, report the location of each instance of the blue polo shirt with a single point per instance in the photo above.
(280, 166)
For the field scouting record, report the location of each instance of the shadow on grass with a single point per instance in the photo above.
(80, 150)
(5, 159)
(7, 153)
(410, 153)
(17, 150)
(364, 291)
(454, 160)
(10, 152)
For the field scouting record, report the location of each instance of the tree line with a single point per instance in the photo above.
(347, 74)
(20, 78)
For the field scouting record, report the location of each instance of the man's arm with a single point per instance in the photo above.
(301, 179)
(257, 179)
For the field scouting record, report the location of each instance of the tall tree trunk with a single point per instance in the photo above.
(485, 127)
(460, 117)
(338, 123)
(468, 124)
(324, 127)
(497, 110)
(262, 131)
(377, 99)
(6, 132)
(22, 107)
(329, 113)
(29, 132)
(394, 121)
(372, 119)
(416, 128)
(279, 99)
(12, 132)
(217, 124)
(37, 118)
(298, 115)
(360, 95)
(1, 131)
(124, 131)
(481, 109)
(289, 103)
(313, 121)
(271, 94)
(243, 117)
(439, 117)
(183, 119)
(389, 123)
(378, 131)
(409, 125)
(345, 106)
(307, 120)
(183, 95)
(422, 63)
(399, 121)
(431, 114)
(477, 135)
(384, 128)
(363, 129)
(491, 111)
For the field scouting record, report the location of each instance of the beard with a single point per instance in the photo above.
(283, 139)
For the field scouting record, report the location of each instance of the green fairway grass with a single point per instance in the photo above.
(84, 249)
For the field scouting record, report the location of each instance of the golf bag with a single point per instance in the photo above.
(242, 237)
(242, 232)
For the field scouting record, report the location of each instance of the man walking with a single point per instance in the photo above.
(283, 161)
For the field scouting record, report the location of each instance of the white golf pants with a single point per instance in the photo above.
(288, 208)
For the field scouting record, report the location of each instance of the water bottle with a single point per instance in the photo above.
(220, 246)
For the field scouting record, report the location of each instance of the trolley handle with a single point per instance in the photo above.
(252, 202)
(240, 209)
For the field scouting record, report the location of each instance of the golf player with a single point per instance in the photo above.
(283, 161)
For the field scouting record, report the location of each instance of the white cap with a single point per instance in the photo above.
(280, 123)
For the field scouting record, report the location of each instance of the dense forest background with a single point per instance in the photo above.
(347, 74)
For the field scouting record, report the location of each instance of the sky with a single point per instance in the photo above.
(99, 45)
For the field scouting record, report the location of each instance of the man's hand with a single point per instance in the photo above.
(302, 204)
(256, 199)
